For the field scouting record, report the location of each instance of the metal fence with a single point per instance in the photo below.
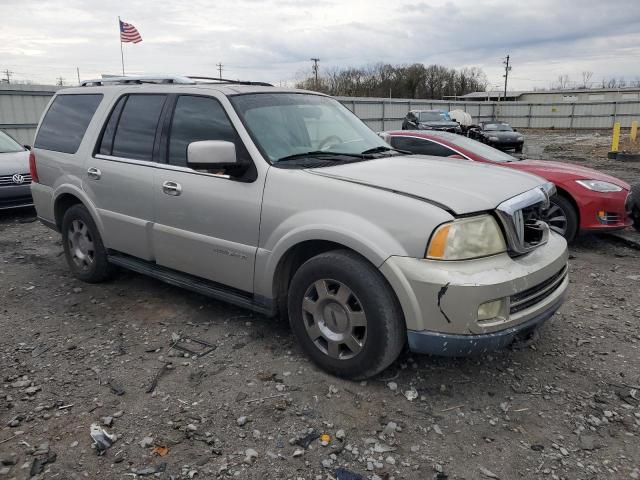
(387, 113)
(22, 105)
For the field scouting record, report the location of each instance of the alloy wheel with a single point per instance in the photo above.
(334, 319)
(556, 218)
(81, 247)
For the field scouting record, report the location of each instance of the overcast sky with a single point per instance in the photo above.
(273, 40)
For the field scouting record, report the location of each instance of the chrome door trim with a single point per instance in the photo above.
(159, 166)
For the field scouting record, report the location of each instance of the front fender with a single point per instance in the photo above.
(344, 228)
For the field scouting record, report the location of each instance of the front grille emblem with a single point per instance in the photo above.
(18, 179)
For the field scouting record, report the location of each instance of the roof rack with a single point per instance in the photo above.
(138, 79)
(163, 79)
(226, 80)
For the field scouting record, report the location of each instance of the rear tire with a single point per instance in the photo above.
(345, 315)
(562, 217)
(83, 247)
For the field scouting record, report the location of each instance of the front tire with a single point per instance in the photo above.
(562, 217)
(345, 315)
(83, 247)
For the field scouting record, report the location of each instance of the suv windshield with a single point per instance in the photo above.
(502, 127)
(288, 124)
(8, 144)
(433, 116)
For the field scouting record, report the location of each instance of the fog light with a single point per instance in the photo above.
(489, 310)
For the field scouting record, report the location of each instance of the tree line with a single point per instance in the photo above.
(397, 81)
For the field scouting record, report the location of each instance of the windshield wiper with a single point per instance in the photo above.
(382, 148)
(317, 153)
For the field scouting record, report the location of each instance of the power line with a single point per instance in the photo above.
(315, 69)
(507, 68)
(219, 65)
(8, 74)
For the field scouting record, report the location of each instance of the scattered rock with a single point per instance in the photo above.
(146, 442)
(250, 455)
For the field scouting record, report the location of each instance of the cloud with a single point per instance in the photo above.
(273, 40)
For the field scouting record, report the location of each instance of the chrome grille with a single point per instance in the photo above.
(6, 180)
(536, 294)
(520, 219)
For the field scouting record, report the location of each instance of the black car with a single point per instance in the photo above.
(499, 135)
(430, 120)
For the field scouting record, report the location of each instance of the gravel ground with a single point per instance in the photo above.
(566, 406)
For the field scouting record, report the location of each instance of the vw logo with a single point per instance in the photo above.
(18, 179)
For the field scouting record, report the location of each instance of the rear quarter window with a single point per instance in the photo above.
(66, 122)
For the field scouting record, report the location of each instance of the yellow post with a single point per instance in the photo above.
(615, 142)
(634, 130)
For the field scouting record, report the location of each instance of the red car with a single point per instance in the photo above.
(587, 200)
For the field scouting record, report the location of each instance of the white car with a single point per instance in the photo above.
(14, 174)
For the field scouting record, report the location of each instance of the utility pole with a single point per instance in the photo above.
(507, 69)
(78, 72)
(219, 65)
(315, 69)
(8, 74)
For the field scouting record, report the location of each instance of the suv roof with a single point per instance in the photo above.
(225, 86)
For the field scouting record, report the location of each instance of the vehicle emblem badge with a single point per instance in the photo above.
(18, 179)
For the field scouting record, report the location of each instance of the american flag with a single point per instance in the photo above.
(129, 33)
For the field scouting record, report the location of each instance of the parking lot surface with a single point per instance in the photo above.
(246, 403)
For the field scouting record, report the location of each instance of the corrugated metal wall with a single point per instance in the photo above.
(387, 114)
(21, 107)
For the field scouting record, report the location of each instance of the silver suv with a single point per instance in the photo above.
(282, 201)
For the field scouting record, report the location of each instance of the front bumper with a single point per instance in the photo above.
(615, 205)
(451, 345)
(506, 145)
(17, 196)
(440, 300)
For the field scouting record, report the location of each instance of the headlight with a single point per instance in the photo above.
(466, 238)
(599, 185)
(521, 139)
(493, 139)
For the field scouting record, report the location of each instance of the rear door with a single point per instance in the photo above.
(207, 222)
(119, 176)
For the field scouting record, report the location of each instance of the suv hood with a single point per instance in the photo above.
(14, 162)
(550, 170)
(460, 186)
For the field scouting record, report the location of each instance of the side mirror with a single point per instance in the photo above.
(27, 147)
(211, 153)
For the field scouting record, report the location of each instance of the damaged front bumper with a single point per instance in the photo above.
(446, 304)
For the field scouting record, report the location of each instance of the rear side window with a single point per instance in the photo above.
(200, 118)
(421, 146)
(131, 128)
(66, 122)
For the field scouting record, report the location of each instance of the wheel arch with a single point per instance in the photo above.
(68, 196)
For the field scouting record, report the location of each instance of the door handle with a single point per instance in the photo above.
(172, 188)
(94, 173)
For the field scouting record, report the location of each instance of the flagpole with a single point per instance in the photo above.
(121, 52)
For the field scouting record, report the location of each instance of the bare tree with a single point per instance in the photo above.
(586, 79)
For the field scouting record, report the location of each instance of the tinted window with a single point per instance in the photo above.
(136, 130)
(421, 146)
(110, 130)
(195, 119)
(66, 122)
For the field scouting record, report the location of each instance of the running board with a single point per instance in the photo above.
(193, 283)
